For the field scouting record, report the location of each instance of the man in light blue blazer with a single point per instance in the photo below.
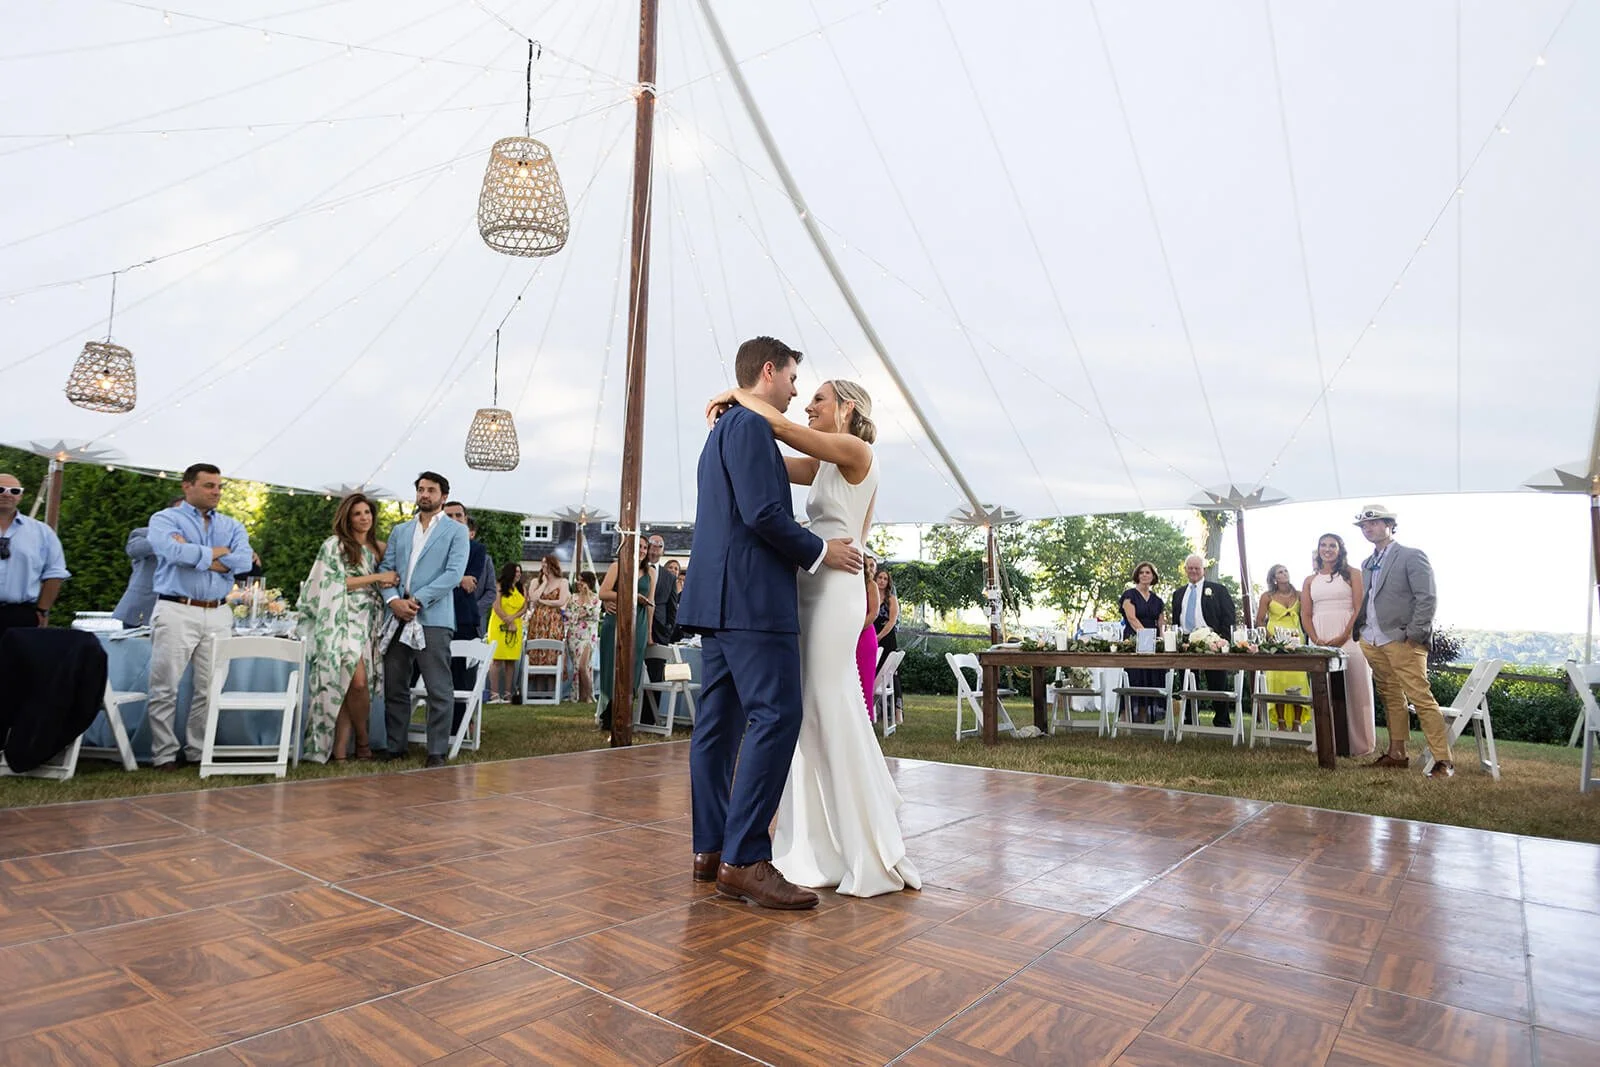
(429, 553)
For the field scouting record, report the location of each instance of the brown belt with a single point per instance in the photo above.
(191, 603)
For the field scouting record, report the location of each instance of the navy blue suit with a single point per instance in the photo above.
(741, 596)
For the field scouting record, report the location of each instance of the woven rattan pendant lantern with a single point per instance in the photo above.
(103, 377)
(522, 210)
(492, 437)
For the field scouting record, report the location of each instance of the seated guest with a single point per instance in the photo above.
(32, 566)
(505, 633)
(139, 599)
(1141, 610)
(1204, 603)
(1280, 610)
(341, 598)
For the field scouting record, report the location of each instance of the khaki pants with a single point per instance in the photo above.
(1400, 673)
(181, 634)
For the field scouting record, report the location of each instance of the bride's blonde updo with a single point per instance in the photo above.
(860, 423)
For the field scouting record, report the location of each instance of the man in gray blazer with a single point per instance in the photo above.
(138, 601)
(1394, 623)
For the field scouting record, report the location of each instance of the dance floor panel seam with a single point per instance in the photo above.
(541, 910)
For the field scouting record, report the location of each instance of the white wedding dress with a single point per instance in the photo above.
(836, 822)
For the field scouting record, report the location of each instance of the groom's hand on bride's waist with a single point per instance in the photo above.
(842, 555)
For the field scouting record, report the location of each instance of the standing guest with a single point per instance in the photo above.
(583, 628)
(139, 598)
(644, 604)
(1205, 603)
(1141, 610)
(505, 633)
(488, 588)
(887, 619)
(346, 611)
(198, 551)
(1328, 602)
(867, 644)
(429, 553)
(1279, 609)
(1395, 624)
(547, 600)
(32, 566)
(664, 623)
(469, 622)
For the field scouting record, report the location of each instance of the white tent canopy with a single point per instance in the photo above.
(1121, 252)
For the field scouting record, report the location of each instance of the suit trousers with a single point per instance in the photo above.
(1400, 674)
(181, 634)
(745, 730)
(434, 664)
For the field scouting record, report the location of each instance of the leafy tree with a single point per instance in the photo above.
(1216, 522)
(1086, 561)
(287, 536)
(501, 534)
(956, 581)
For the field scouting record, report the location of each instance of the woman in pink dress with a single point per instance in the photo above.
(867, 643)
(1328, 602)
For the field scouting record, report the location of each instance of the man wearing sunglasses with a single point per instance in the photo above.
(31, 564)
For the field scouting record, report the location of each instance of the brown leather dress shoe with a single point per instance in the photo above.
(763, 885)
(705, 866)
(1386, 760)
(1442, 769)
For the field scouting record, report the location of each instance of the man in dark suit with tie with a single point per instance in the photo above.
(742, 600)
(1206, 603)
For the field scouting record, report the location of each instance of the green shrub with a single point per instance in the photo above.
(1522, 711)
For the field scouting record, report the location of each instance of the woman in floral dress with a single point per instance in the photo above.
(583, 629)
(345, 610)
(549, 596)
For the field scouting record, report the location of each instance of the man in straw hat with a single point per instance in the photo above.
(1394, 622)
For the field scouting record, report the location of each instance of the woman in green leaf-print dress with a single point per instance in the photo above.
(345, 609)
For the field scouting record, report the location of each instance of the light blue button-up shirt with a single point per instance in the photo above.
(35, 556)
(183, 568)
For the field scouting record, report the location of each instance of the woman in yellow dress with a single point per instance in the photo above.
(505, 634)
(1280, 610)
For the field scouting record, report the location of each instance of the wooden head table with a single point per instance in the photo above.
(1327, 702)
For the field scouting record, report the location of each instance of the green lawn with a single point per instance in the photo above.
(1537, 795)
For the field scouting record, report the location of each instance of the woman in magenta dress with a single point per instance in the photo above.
(1328, 602)
(867, 642)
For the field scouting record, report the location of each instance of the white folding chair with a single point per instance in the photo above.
(1189, 697)
(267, 758)
(1261, 704)
(1584, 679)
(553, 671)
(469, 731)
(673, 684)
(1471, 707)
(1112, 719)
(64, 764)
(883, 689)
(1062, 695)
(969, 696)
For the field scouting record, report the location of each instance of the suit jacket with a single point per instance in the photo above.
(1403, 595)
(139, 599)
(469, 621)
(664, 626)
(747, 546)
(1216, 607)
(439, 568)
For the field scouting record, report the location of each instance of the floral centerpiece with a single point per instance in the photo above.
(255, 605)
(1205, 639)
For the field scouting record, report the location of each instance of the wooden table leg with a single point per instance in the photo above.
(1041, 709)
(991, 705)
(1322, 720)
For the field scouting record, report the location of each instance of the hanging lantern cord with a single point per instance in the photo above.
(111, 317)
(535, 50)
(496, 401)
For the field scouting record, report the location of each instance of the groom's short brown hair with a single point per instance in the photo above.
(757, 353)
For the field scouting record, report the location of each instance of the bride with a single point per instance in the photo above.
(836, 823)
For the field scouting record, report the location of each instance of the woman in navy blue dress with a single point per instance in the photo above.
(1142, 610)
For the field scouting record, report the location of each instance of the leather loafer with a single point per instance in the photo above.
(1386, 760)
(764, 885)
(705, 866)
(1442, 769)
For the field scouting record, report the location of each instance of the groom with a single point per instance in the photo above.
(741, 597)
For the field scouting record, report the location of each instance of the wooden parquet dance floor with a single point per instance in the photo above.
(541, 911)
